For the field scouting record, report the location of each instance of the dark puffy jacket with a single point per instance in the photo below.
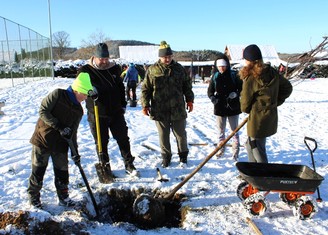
(166, 89)
(110, 87)
(260, 98)
(57, 111)
(221, 85)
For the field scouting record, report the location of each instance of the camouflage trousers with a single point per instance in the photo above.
(179, 131)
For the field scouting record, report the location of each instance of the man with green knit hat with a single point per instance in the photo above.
(166, 95)
(60, 115)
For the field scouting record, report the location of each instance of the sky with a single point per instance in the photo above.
(293, 26)
(211, 194)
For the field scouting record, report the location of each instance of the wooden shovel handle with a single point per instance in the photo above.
(253, 226)
(171, 194)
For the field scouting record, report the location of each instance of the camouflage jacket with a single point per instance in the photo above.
(166, 89)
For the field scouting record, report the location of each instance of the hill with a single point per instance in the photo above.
(113, 47)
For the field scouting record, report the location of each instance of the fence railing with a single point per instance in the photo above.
(24, 53)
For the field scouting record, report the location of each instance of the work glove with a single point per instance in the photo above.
(190, 106)
(93, 93)
(76, 159)
(146, 111)
(66, 132)
(214, 99)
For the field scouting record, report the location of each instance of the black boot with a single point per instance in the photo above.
(125, 150)
(129, 167)
(166, 160)
(61, 183)
(183, 157)
(63, 197)
(34, 185)
(34, 200)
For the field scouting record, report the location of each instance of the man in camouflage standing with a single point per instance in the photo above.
(166, 93)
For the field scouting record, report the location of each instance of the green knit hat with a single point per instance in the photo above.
(164, 49)
(82, 83)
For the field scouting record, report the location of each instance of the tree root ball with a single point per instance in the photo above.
(149, 211)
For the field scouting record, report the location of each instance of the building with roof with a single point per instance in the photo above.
(269, 54)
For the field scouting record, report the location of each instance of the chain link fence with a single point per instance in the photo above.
(24, 53)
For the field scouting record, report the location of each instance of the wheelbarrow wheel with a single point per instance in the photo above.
(289, 198)
(255, 205)
(304, 208)
(245, 190)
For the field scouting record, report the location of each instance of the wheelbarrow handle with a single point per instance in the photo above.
(306, 139)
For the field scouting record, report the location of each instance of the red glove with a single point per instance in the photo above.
(190, 106)
(146, 111)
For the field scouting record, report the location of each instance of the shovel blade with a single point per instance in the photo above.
(104, 173)
(160, 177)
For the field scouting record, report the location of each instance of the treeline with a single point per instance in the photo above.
(113, 48)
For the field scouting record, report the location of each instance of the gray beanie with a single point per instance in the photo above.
(102, 50)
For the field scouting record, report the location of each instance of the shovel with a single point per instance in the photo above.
(170, 195)
(78, 164)
(160, 177)
(149, 215)
(103, 169)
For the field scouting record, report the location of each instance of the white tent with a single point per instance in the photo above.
(139, 54)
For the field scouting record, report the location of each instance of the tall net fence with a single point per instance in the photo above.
(24, 53)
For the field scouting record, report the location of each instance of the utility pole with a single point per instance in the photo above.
(51, 56)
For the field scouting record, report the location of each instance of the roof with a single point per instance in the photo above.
(269, 54)
(148, 54)
(139, 54)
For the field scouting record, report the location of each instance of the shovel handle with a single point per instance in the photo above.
(160, 175)
(171, 194)
(97, 127)
(74, 153)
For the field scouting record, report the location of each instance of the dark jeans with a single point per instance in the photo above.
(131, 86)
(40, 158)
(119, 130)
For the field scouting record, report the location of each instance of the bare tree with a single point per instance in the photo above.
(89, 44)
(61, 43)
(95, 38)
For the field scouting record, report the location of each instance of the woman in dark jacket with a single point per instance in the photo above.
(224, 90)
(263, 91)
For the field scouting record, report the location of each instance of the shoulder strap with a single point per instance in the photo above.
(233, 76)
(214, 78)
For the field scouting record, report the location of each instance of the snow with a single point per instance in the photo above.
(214, 206)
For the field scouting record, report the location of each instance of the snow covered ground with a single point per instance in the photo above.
(214, 206)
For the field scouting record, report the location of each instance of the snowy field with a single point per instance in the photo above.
(215, 208)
